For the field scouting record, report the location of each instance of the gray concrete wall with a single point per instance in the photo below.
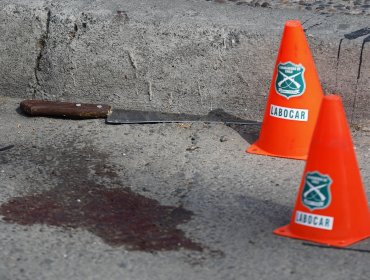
(170, 55)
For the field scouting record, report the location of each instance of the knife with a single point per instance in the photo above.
(70, 110)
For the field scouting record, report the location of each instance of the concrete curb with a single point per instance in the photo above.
(170, 55)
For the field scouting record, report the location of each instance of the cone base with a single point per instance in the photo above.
(255, 149)
(286, 232)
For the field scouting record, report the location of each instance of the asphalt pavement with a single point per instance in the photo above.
(223, 203)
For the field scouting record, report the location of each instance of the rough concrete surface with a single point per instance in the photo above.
(349, 7)
(171, 55)
(237, 200)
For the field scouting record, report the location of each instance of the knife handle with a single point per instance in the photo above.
(64, 109)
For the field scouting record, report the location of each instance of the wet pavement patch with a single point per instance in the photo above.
(88, 195)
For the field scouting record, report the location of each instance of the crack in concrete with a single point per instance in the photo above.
(312, 26)
(366, 40)
(6, 148)
(307, 20)
(41, 45)
(150, 91)
(133, 62)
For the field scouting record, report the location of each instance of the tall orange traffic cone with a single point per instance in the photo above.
(294, 99)
(331, 206)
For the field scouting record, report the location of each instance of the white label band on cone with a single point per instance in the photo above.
(289, 113)
(315, 221)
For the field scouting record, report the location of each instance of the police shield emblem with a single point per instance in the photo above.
(316, 191)
(290, 80)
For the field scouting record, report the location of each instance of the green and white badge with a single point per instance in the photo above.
(290, 80)
(316, 191)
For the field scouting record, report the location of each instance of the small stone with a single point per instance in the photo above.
(192, 148)
(194, 139)
(184, 125)
(223, 138)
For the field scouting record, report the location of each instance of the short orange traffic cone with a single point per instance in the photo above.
(331, 206)
(294, 99)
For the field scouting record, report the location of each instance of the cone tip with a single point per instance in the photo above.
(331, 100)
(332, 97)
(293, 23)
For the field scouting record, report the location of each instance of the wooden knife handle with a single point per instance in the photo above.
(64, 109)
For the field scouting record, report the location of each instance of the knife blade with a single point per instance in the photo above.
(120, 116)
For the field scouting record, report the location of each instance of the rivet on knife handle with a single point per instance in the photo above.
(64, 109)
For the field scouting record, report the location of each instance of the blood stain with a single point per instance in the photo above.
(117, 215)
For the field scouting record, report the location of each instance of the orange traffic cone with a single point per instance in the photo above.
(331, 206)
(294, 99)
